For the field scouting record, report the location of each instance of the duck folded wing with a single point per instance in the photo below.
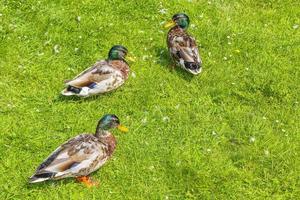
(184, 47)
(196, 54)
(95, 74)
(70, 159)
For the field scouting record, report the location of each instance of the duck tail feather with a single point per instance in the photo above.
(41, 177)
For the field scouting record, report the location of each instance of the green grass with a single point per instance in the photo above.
(230, 133)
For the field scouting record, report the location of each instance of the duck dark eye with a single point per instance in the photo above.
(115, 119)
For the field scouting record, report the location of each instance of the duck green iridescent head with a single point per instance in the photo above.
(179, 19)
(109, 121)
(117, 52)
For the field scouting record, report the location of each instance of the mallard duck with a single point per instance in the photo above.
(182, 46)
(103, 76)
(81, 155)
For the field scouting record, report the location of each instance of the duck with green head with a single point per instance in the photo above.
(81, 155)
(182, 47)
(103, 76)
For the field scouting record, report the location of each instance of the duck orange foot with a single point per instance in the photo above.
(87, 181)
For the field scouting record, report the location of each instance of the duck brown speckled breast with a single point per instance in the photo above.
(176, 31)
(122, 66)
(111, 143)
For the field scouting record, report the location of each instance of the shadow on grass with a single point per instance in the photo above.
(61, 98)
(185, 177)
(165, 60)
(50, 183)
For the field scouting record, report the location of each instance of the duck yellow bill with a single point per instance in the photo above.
(122, 128)
(170, 24)
(131, 58)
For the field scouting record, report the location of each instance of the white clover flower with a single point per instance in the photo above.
(252, 139)
(166, 119)
(47, 42)
(78, 18)
(295, 26)
(267, 153)
(56, 48)
(144, 120)
(133, 75)
(163, 11)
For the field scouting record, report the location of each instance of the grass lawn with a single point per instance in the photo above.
(230, 133)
